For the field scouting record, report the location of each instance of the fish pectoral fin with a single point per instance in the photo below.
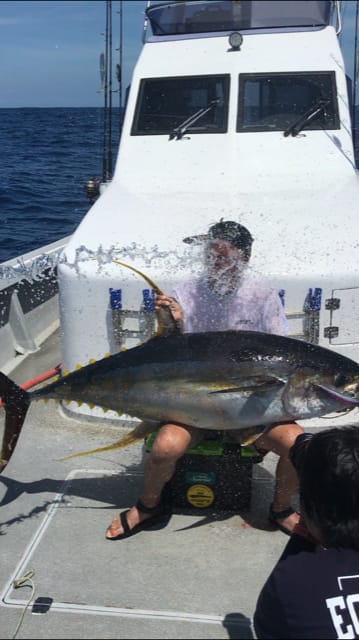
(228, 390)
(142, 430)
(248, 385)
(349, 401)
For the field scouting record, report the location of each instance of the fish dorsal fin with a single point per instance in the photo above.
(166, 324)
(150, 282)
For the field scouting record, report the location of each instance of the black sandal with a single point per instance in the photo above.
(157, 512)
(274, 516)
(154, 511)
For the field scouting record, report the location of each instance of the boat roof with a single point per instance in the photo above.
(174, 18)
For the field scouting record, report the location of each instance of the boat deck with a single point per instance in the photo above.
(195, 576)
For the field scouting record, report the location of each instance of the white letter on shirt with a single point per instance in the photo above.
(351, 600)
(332, 604)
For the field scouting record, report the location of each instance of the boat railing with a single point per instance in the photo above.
(145, 22)
(29, 308)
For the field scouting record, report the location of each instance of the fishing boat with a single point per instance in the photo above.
(239, 110)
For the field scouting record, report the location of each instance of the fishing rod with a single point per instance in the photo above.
(119, 71)
(107, 120)
(93, 185)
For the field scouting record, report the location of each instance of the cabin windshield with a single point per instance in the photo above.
(275, 101)
(173, 18)
(167, 103)
(266, 102)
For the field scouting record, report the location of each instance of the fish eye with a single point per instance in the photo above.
(340, 379)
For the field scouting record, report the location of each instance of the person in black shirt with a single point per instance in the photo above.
(313, 591)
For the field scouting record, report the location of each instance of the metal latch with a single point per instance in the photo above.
(331, 332)
(332, 304)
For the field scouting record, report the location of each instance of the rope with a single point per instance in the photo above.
(20, 582)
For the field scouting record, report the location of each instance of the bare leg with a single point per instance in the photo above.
(279, 439)
(171, 443)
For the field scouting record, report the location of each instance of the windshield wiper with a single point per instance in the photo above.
(307, 117)
(179, 131)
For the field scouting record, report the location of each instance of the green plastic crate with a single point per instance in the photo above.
(215, 475)
(211, 447)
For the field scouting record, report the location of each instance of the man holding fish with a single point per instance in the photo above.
(226, 298)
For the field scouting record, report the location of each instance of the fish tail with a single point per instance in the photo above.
(137, 434)
(16, 402)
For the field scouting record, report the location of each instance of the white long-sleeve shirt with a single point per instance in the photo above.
(253, 307)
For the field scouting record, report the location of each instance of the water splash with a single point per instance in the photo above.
(40, 267)
(43, 266)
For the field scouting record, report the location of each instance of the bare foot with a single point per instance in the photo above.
(289, 522)
(284, 519)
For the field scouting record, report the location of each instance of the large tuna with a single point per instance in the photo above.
(213, 380)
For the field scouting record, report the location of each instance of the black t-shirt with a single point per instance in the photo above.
(311, 594)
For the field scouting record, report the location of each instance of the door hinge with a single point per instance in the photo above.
(332, 304)
(331, 332)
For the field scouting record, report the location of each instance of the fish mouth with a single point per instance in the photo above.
(342, 398)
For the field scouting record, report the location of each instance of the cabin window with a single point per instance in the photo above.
(172, 18)
(164, 104)
(275, 101)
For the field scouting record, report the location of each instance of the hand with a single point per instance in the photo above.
(162, 300)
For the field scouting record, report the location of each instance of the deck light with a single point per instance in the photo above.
(235, 40)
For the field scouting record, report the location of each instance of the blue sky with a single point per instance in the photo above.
(50, 49)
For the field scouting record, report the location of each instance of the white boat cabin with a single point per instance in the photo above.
(236, 110)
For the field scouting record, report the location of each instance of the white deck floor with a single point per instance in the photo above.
(197, 576)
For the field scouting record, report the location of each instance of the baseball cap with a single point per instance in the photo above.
(232, 232)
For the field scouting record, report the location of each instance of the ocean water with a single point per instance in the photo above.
(47, 155)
